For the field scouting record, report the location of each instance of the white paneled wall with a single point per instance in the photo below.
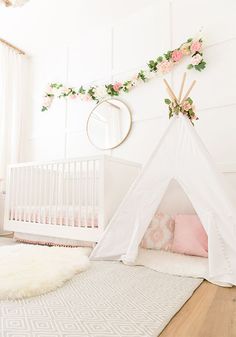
(214, 93)
(115, 53)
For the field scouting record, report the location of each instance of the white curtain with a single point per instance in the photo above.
(12, 105)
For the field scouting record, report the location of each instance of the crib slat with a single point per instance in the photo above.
(15, 192)
(50, 192)
(36, 192)
(95, 192)
(30, 195)
(12, 193)
(62, 191)
(35, 198)
(67, 194)
(57, 194)
(20, 193)
(73, 188)
(18, 207)
(25, 192)
(92, 194)
(86, 192)
(40, 194)
(44, 195)
(80, 193)
(24, 195)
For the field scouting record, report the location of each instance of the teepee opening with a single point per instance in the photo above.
(175, 200)
(175, 225)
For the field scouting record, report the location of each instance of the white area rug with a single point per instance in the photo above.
(109, 299)
(29, 270)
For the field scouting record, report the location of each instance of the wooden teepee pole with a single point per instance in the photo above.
(171, 93)
(182, 87)
(188, 92)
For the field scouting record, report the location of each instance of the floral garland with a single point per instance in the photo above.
(186, 108)
(159, 66)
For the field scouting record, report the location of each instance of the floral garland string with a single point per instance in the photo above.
(159, 66)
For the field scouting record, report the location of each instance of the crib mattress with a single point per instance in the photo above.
(110, 299)
(58, 215)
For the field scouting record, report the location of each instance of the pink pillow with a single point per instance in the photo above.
(189, 236)
(160, 233)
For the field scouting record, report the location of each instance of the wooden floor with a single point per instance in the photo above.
(210, 312)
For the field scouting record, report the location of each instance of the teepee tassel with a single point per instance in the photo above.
(182, 87)
(170, 91)
(188, 92)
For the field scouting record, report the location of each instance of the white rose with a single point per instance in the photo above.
(196, 59)
(100, 92)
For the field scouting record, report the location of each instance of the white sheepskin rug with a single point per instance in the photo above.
(29, 270)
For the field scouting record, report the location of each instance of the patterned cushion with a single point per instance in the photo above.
(160, 232)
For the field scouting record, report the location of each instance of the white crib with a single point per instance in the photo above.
(71, 199)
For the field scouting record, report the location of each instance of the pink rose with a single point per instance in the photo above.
(165, 66)
(49, 89)
(196, 46)
(186, 106)
(47, 101)
(87, 97)
(176, 55)
(73, 96)
(117, 86)
(196, 59)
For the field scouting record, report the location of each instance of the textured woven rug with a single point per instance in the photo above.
(108, 300)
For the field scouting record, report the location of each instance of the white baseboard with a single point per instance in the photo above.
(227, 167)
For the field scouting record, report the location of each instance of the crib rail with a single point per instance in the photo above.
(66, 193)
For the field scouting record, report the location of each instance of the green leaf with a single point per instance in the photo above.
(191, 113)
(167, 101)
(203, 64)
(91, 92)
(152, 65)
(127, 83)
(160, 59)
(190, 100)
(142, 76)
(190, 66)
(168, 55)
(81, 90)
(127, 86)
(56, 85)
(200, 66)
(190, 40)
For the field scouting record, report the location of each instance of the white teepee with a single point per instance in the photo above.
(182, 156)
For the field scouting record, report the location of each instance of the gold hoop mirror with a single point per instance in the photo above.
(109, 124)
